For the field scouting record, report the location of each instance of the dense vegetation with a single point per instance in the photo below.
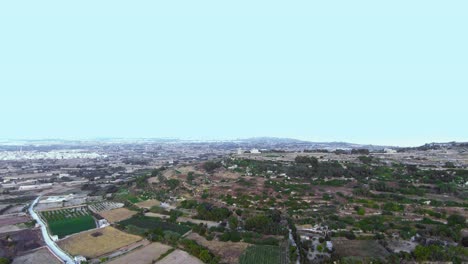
(143, 225)
(269, 223)
(359, 199)
(207, 211)
(199, 251)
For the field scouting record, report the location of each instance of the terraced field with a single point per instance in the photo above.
(68, 221)
(117, 215)
(140, 224)
(258, 254)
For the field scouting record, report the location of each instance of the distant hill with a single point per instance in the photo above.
(272, 142)
(435, 146)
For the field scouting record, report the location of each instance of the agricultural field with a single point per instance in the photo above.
(42, 255)
(259, 254)
(68, 221)
(10, 228)
(359, 248)
(117, 215)
(12, 223)
(104, 206)
(140, 224)
(125, 195)
(17, 243)
(145, 255)
(148, 203)
(13, 219)
(103, 241)
(179, 257)
(228, 251)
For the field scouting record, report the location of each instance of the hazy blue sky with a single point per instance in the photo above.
(382, 72)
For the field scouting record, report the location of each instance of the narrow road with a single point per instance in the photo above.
(45, 234)
(293, 243)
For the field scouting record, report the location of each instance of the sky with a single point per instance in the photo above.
(378, 72)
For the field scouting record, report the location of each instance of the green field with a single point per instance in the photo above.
(139, 224)
(68, 221)
(259, 254)
(123, 195)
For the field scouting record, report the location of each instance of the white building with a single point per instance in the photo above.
(55, 199)
(390, 151)
(103, 223)
(79, 259)
(329, 245)
(34, 187)
(255, 151)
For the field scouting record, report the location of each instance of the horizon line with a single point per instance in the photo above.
(97, 139)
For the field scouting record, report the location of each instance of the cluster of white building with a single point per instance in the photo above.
(31, 155)
(35, 187)
(252, 151)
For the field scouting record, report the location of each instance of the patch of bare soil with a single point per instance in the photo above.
(42, 255)
(91, 246)
(179, 257)
(16, 243)
(228, 251)
(148, 203)
(117, 215)
(12, 220)
(145, 255)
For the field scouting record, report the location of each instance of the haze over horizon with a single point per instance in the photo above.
(137, 139)
(361, 72)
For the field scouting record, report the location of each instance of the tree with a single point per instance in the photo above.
(350, 235)
(205, 256)
(233, 222)
(157, 172)
(257, 223)
(211, 166)
(449, 164)
(366, 159)
(207, 211)
(171, 237)
(190, 176)
(422, 253)
(141, 181)
(393, 207)
(174, 214)
(235, 236)
(320, 248)
(360, 211)
(173, 183)
(465, 241)
(239, 212)
(360, 151)
(447, 187)
(455, 220)
(313, 161)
